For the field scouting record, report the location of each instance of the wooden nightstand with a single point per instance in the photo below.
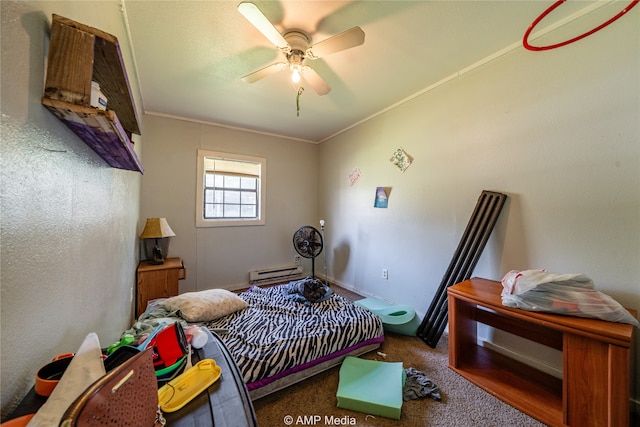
(158, 281)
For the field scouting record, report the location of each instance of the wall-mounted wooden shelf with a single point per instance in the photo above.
(78, 55)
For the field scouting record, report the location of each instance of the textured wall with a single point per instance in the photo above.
(68, 236)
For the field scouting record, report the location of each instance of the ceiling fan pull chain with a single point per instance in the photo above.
(300, 90)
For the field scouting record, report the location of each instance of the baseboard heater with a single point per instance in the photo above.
(276, 275)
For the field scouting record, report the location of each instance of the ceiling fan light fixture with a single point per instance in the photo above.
(295, 59)
(295, 75)
(296, 46)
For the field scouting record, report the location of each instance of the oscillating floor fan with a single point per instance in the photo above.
(308, 242)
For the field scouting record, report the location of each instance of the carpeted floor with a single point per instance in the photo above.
(313, 401)
(463, 404)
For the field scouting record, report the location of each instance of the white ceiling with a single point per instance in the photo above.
(190, 56)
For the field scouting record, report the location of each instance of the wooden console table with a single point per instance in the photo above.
(594, 390)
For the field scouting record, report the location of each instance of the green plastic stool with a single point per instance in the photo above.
(371, 387)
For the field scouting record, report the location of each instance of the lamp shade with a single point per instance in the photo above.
(156, 228)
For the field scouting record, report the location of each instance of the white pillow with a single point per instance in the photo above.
(206, 305)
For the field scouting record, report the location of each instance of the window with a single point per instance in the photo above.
(230, 189)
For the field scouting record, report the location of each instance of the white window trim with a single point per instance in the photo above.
(200, 220)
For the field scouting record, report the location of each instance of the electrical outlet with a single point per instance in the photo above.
(385, 274)
(296, 259)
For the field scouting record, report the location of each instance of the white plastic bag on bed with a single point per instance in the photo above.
(569, 294)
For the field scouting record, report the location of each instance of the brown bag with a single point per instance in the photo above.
(126, 396)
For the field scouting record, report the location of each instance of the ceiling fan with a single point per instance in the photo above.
(296, 47)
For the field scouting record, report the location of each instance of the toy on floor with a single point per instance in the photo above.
(400, 319)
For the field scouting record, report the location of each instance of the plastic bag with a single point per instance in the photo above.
(569, 294)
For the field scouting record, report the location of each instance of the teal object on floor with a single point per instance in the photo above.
(400, 319)
(371, 387)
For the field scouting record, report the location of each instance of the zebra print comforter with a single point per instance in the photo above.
(275, 335)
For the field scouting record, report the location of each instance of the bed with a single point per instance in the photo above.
(277, 340)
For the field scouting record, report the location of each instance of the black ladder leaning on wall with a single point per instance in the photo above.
(473, 241)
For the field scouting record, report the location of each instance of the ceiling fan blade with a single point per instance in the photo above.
(258, 20)
(315, 81)
(345, 40)
(264, 72)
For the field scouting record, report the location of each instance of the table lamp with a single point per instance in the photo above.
(156, 236)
